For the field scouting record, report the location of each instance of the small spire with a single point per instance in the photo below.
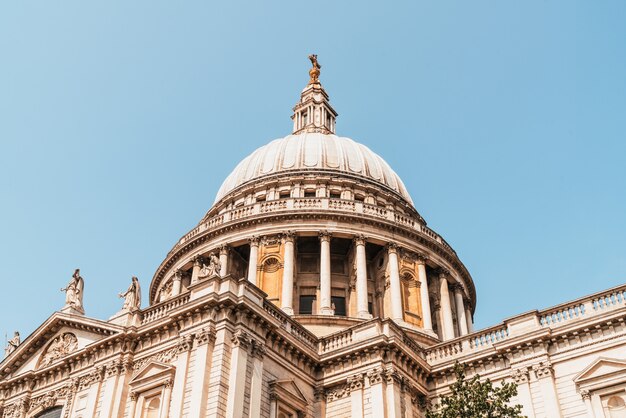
(313, 113)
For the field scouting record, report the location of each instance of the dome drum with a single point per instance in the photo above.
(261, 253)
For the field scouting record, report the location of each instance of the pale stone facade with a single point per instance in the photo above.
(311, 288)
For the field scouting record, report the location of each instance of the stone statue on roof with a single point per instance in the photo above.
(12, 344)
(132, 296)
(74, 292)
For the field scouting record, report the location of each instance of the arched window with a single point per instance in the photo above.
(151, 407)
(54, 412)
(617, 407)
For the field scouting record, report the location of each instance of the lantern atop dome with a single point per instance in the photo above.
(313, 113)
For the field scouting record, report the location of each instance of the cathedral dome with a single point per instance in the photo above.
(314, 151)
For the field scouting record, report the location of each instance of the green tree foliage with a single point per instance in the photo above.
(475, 399)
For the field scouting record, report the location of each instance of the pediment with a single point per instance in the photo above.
(152, 374)
(288, 390)
(601, 369)
(59, 336)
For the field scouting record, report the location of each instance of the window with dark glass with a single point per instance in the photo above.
(306, 304)
(51, 413)
(309, 193)
(339, 303)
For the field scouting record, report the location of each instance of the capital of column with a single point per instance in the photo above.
(359, 240)
(443, 273)
(197, 261)
(241, 339)
(392, 248)
(325, 236)
(258, 350)
(421, 259)
(456, 287)
(254, 241)
(288, 236)
(543, 369)
(585, 394)
(468, 303)
(185, 343)
(355, 382)
(178, 275)
(520, 376)
(205, 336)
(224, 249)
(375, 376)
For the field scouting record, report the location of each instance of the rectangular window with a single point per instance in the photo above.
(306, 304)
(339, 303)
(309, 193)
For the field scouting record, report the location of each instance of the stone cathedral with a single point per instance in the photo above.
(311, 288)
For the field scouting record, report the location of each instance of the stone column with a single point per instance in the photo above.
(180, 378)
(224, 250)
(205, 340)
(325, 275)
(397, 311)
(355, 385)
(521, 378)
(446, 310)
(113, 371)
(427, 322)
(468, 316)
(197, 265)
(587, 400)
(361, 278)
(256, 383)
(237, 375)
(545, 375)
(288, 268)
(319, 404)
(94, 391)
(460, 309)
(176, 282)
(254, 260)
(394, 393)
(377, 392)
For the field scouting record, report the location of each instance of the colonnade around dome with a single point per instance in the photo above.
(325, 275)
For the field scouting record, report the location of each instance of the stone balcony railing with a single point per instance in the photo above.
(554, 318)
(260, 209)
(347, 339)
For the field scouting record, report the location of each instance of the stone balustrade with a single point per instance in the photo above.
(290, 325)
(366, 333)
(552, 318)
(312, 203)
(160, 310)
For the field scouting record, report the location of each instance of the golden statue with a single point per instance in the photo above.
(315, 71)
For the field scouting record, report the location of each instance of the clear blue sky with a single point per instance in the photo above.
(120, 119)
